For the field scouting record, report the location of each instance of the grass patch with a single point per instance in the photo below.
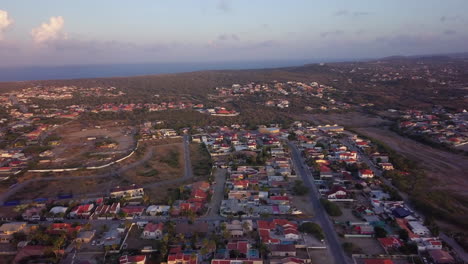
(172, 159)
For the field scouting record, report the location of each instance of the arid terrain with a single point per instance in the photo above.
(448, 169)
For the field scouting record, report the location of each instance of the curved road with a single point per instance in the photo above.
(4, 196)
(188, 173)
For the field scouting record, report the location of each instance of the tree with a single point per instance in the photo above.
(351, 248)
(380, 232)
(331, 208)
(403, 234)
(313, 229)
(299, 188)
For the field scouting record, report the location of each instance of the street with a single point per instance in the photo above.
(334, 245)
(456, 247)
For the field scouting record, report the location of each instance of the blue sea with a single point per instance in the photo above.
(121, 70)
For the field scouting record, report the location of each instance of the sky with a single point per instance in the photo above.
(59, 32)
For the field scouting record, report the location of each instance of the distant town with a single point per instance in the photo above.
(92, 175)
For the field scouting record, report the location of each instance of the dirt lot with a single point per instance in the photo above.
(448, 169)
(347, 214)
(158, 168)
(320, 256)
(303, 203)
(351, 119)
(369, 246)
(79, 187)
(134, 240)
(77, 144)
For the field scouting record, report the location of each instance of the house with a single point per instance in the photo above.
(29, 251)
(441, 256)
(378, 261)
(336, 192)
(57, 212)
(33, 213)
(129, 192)
(289, 260)
(182, 258)
(240, 246)
(237, 261)
(153, 231)
(386, 166)
(366, 174)
(137, 259)
(389, 243)
(7, 230)
(59, 228)
(418, 228)
(291, 234)
(401, 212)
(364, 229)
(238, 228)
(325, 172)
(280, 250)
(133, 210)
(158, 210)
(107, 211)
(82, 211)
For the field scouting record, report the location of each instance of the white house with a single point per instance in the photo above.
(366, 174)
(153, 231)
(157, 209)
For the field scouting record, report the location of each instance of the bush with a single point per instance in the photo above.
(380, 232)
(299, 188)
(313, 229)
(331, 208)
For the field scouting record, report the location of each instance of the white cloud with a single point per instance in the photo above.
(5, 22)
(51, 31)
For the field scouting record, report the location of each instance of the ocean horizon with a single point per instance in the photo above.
(30, 73)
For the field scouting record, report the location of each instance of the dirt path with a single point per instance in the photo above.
(448, 168)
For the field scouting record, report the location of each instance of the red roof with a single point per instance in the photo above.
(150, 227)
(241, 246)
(388, 242)
(366, 172)
(378, 261)
(132, 259)
(133, 209)
(325, 169)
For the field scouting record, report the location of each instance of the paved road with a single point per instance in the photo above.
(218, 193)
(456, 247)
(334, 245)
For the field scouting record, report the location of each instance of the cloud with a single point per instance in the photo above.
(224, 6)
(360, 13)
(422, 39)
(344, 12)
(48, 32)
(331, 33)
(450, 32)
(225, 37)
(444, 19)
(5, 22)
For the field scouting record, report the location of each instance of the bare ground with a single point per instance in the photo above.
(143, 174)
(351, 119)
(448, 169)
